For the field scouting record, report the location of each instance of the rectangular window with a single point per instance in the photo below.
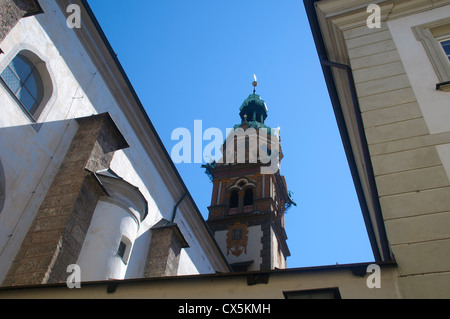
(446, 46)
(435, 37)
(124, 249)
(121, 249)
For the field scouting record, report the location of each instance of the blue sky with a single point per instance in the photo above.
(195, 60)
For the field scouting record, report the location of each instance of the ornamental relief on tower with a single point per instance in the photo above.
(237, 239)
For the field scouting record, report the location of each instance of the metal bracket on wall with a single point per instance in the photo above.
(255, 279)
(111, 287)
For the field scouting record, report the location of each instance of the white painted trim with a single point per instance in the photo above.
(433, 48)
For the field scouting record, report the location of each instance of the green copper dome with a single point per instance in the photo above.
(253, 109)
(253, 112)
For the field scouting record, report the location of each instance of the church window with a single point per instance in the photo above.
(234, 199)
(248, 197)
(24, 81)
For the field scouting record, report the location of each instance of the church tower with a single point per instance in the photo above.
(250, 196)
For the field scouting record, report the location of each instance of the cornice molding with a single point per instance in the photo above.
(349, 14)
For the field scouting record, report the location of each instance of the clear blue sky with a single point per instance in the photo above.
(195, 60)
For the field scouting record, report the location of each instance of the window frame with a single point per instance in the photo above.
(442, 39)
(126, 243)
(34, 72)
(435, 51)
(41, 64)
(121, 249)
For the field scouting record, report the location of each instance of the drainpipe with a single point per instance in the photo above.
(174, 212)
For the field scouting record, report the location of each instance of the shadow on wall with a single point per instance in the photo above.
(29, 159)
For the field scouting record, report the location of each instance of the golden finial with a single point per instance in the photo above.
(255, 83)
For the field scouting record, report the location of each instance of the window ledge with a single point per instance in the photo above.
(443, 86)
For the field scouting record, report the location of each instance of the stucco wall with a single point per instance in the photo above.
(422, 241)
(32, 152)
(407, 131)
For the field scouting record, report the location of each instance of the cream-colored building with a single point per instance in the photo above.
(388, 85)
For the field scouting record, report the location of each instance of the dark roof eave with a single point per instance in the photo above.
(337, 107)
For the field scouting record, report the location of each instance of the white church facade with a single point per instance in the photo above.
(84, 177)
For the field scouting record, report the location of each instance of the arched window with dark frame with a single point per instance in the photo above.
(24, 81)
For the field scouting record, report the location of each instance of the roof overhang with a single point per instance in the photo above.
(341, 87)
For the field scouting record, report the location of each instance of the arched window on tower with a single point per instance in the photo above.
(234, 202)
(248, 201)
